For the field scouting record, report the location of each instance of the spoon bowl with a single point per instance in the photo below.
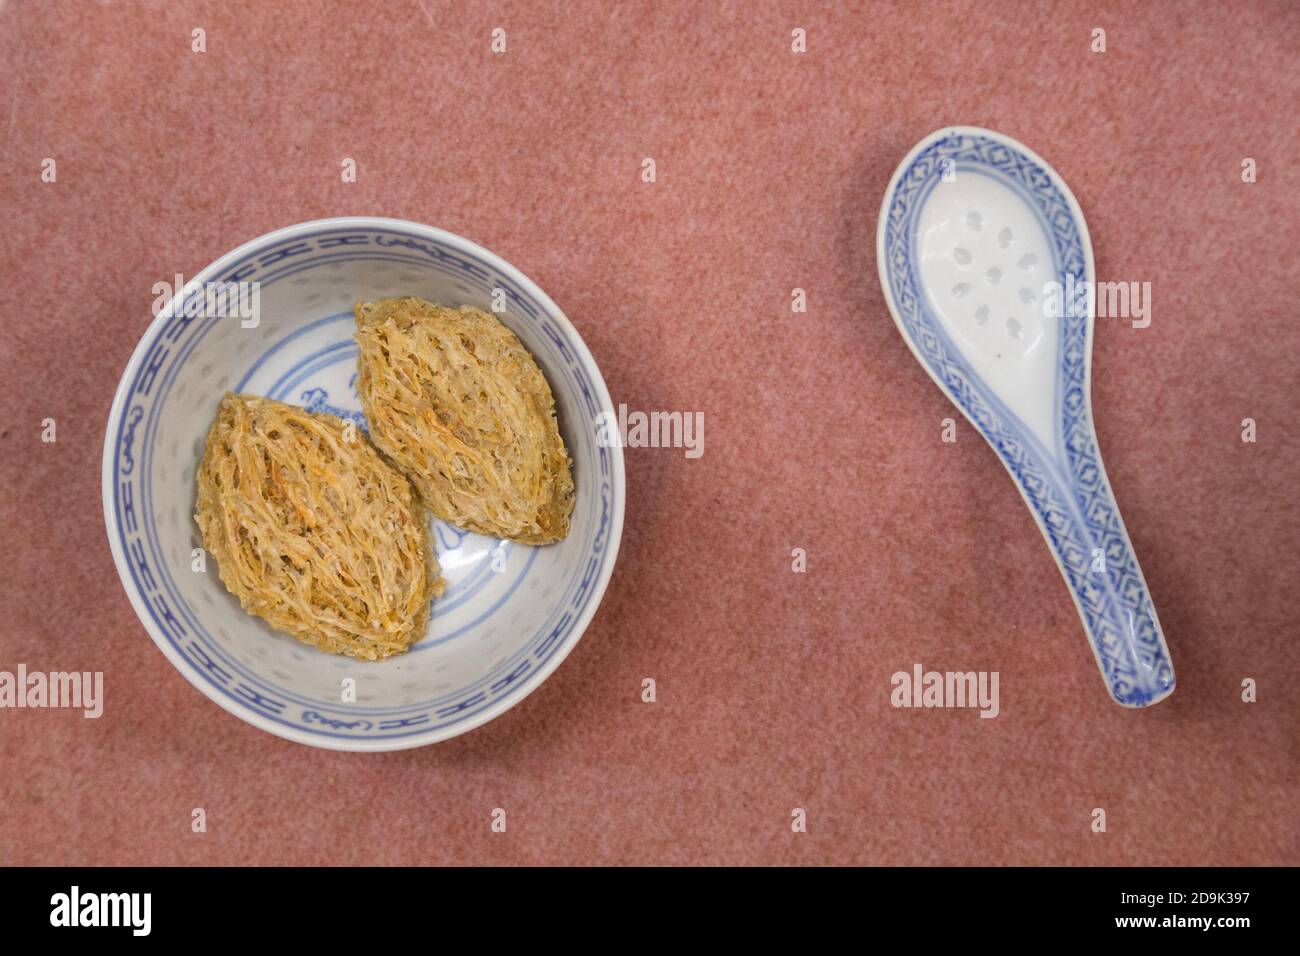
(985, 262)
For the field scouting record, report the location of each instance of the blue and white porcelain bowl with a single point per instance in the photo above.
(511, 613)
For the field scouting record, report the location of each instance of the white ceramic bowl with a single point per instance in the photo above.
(511, 613)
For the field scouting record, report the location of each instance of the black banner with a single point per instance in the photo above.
(331, 906)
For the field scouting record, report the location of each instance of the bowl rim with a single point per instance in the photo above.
(617, 478)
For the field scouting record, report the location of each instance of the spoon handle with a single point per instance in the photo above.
(1081, 521)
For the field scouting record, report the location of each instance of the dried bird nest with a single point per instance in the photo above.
(459, 405)
(313, 531)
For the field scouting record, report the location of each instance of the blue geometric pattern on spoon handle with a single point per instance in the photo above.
(1065, 485)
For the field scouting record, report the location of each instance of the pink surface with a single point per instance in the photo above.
(822, 432)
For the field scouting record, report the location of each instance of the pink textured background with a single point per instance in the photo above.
(822, 432)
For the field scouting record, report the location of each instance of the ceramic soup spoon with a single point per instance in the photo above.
(983, 253)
